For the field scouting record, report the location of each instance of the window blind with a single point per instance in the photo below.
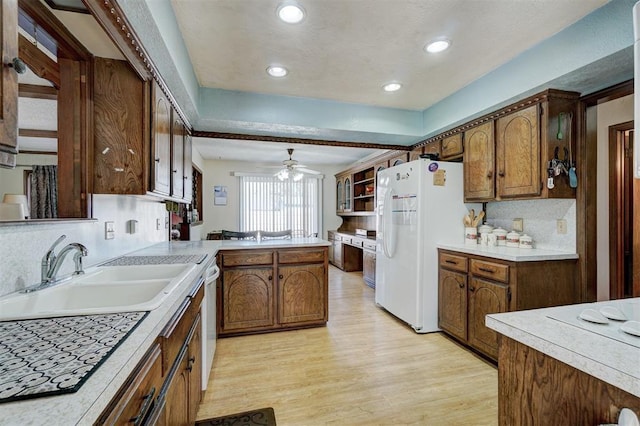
(268, 204)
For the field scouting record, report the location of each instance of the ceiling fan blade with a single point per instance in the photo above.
(309, 171)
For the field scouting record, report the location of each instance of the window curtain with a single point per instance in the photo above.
(44, 192)
(268, 204)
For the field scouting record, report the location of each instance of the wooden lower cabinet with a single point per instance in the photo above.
(271, 290)
(369, 267)
(471, 287)
(166, 386)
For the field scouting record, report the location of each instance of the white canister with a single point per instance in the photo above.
(471, 236)
(485, 229)
(513, 239)
(526, 242)
(501, 236)
(492, 240)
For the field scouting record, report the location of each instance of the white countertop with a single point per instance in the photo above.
(610, 360)
(510, 253)
(84, 406)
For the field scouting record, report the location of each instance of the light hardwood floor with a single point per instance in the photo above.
(364, 368)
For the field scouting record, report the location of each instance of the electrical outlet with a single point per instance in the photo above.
(517, 224)
(158, 224)
(561, 226)
(109, 230)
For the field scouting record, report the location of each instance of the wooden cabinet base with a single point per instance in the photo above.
(534, 388)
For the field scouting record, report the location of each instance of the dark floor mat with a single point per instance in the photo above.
(260, 417)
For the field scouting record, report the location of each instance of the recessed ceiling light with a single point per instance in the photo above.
(392, 87)
(291, 13)
(277, 71)
(438, 45)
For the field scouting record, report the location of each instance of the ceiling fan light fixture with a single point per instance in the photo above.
(277, 71)
(283, 174)
(438, 45)
(297, 176)
(291, 13)
(392, 87)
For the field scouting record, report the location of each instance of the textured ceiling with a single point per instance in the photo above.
(345, 50)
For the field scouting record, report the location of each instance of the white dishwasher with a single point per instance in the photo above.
(209, 321)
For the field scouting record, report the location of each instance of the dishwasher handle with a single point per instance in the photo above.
(212, 274)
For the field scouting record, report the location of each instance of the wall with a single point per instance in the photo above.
(217, 172)
(609, 113)
(23, 245)
(539, 220)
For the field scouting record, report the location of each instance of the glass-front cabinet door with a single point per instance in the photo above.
(347, 194)
(339, 195)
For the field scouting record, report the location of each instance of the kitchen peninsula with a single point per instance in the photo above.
(555, 366)
(105, 386)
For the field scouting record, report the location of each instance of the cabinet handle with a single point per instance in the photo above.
(491, 271)
(175, 171)
(490, 175)
(270, 278)
(501, 173)
(280, 276)
(191, 361)
(461, 285)
(472, 288)
(146, 404)
(452, 262)
(157, 160)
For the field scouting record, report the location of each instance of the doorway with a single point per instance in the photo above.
(624, 191)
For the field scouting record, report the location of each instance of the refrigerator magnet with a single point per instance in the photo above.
(433, 167)
(439, 177)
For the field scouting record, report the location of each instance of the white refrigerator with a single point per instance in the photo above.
(418, 205)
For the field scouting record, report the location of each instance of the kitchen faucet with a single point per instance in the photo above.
(51, 263)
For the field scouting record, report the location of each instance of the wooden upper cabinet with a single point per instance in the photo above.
(403, 157)
(415, 153)
(518, 154)
(478, 160)
(9, 85)
(188, 168)
(120, 160)
(451, 147)
(432, 148)
(177, 158)
(161, 142)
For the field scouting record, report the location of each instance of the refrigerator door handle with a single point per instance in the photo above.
(387, 230)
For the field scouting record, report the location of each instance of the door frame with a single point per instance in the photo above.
(617, 151)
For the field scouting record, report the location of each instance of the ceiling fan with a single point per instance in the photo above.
(292, 170)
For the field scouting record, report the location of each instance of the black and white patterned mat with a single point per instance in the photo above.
(50, 356)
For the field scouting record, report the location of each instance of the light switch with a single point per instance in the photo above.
(109, 230)
(561, 226)
(133, 226)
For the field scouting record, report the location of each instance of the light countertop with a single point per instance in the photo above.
(84, 406)
(602, 351)
(510, 253)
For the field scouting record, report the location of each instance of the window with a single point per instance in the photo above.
(268, 204)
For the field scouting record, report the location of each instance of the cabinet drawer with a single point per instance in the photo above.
(301, 256)
(346, 240)
(451, 146)
(337, 237)
(451, 261)
(137, 398)
(247, 257)
(369, 245)
(494, 271)
(357, 242)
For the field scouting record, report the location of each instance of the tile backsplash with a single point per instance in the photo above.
(23, 245)
(539, 219)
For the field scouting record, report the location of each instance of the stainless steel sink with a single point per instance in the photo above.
(104, 290)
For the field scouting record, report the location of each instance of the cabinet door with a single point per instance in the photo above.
(9, 85)
(518, 154)
(399, 159)
(485, 297)
(432, 148)
(369, 267)
(479, 163)
(177, 394)
(303, 296)
(348, 196)
(415, 153)
(194, 367)
(247, 299)
(339, 194)
(331, 251)
(161, 136)
(452, 303)
(120, 123)
(188, 168)
(177, 157)
(451, 147)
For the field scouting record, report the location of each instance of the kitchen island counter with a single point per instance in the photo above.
(557, 360)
